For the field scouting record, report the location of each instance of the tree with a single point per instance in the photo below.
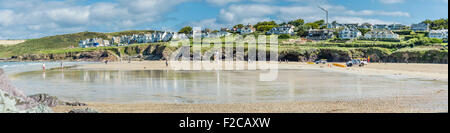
(320, 22)
(363, 30)
(302, 31)
(265, 26)
(238, 26)
(312, 26)
(437, 24)
(186, 30)
(297, 23)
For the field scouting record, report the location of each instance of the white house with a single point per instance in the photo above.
(247, 30)
(381, 34)
(440, 34)
(380, 26)
(284, 29)
(129, 39)
(366, 26)
(397, 27)
(422, 27)
(349, 33)
(94, 42)
(320, 34)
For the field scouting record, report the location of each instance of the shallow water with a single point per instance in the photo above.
(216, 86)
(18, 67)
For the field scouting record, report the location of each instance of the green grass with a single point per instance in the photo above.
(58, 42)
(48, 43)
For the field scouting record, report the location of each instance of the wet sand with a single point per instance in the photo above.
(425, 71)
(385, 105)
(436, 101)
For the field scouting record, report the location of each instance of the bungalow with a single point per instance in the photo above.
(366, 26)
(349, 33)
(94, 42)
(247, 30)
(380, 26)
(284, 29)
(350, 25)
(421, 27)
(397, 27)
(440, 34)
(320, 34)
(381, 34)
(335, 25)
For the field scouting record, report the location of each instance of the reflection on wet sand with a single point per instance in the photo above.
(167, 86)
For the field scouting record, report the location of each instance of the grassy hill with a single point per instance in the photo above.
(32, 46)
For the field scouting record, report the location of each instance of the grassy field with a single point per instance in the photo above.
(58, 42)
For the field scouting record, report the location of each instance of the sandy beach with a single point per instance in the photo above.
(425, 103)
(426, 71)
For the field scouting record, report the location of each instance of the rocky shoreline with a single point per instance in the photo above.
(12, 100)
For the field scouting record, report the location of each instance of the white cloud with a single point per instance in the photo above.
(7, 17)
(222, 2)
(28, 17)
(252, 13)
(342, 19)
(380, 13)
(392, 1)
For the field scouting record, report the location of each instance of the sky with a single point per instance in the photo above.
(27, 19)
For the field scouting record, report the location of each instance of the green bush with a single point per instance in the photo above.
(403, 32)
(284, 36)
(436, 40)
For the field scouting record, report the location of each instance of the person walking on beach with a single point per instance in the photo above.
(43, 66)
(62, 65)
(167, 63)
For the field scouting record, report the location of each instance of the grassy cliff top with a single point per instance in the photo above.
(58, 42)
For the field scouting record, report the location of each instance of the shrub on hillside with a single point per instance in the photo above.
(284, 36)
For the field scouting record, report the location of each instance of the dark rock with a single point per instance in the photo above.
(46, 99)
(53, 101)
(75, 104)
(80, 111)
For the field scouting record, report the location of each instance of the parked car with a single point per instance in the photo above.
(357, 62)
(322, 61)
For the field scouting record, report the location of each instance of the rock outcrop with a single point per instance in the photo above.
(301, 54)
(53, 101)
(81, 111)
(12, 100)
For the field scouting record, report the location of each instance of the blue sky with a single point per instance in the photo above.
(26, 19)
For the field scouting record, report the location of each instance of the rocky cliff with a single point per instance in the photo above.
(301, 54)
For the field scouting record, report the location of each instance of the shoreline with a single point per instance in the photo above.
(398, 104)
(411, 70)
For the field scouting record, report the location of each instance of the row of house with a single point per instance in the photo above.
(283, 29)
(421, 27)
(131, 39)
(350, 33)
(94, 42)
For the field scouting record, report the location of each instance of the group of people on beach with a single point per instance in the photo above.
(44, 67)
